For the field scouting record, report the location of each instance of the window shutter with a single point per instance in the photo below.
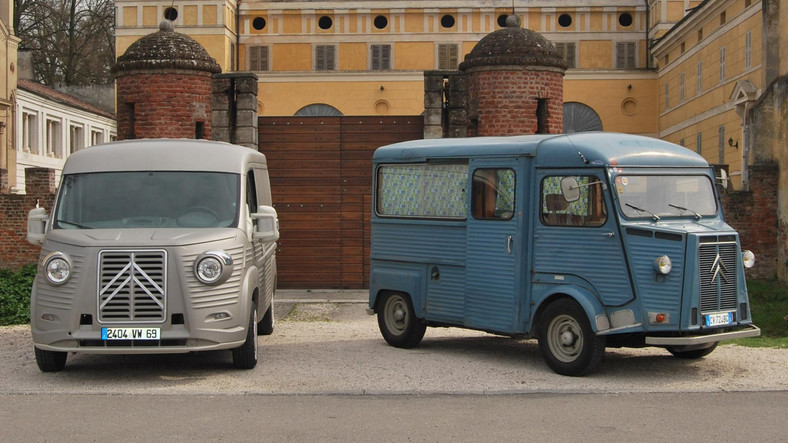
(375, 58)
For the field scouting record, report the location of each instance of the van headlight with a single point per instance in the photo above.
(57, 268)
(663, 265)
(748, 259)
(213, 267)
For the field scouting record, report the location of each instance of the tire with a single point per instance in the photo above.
(397, 321)
(566, 340)
(266, 325)
(693, 354)
(50, 361)
(245, 356)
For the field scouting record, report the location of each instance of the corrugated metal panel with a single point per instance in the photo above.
(586, 252)
(491, 297)
(663, 295)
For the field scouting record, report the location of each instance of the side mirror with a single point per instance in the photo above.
(266, 224)
(722, 181)
(37, 226)
(570, 188)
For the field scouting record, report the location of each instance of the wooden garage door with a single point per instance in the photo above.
(321, 180)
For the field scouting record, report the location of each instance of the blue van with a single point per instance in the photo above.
(583, 241)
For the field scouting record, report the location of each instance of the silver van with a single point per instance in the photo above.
(155, 246)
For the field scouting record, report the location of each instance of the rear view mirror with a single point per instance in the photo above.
(723, 180)
(266, 224)
(37, 225)
(570, 188)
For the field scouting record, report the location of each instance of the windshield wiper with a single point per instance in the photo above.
(656, 217)
(697, 216)
(73, 224)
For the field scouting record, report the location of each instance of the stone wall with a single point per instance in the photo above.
(15, 251)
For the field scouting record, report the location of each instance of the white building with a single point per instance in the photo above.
(51, 125)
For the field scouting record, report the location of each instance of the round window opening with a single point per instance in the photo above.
(381, 22)
(171, 14)
(447, 21)
(258, 23)
(625, 19)
(502, 20)
(325, 22)
(565, 20)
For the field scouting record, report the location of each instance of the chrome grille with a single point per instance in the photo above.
(132, 286)
(718, 265)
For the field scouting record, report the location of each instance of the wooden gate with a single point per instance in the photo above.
(321, 181)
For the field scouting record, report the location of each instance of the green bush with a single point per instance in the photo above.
(15, 295)
(769, 306)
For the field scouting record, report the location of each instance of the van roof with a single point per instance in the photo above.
(163, 155)
(582, 149)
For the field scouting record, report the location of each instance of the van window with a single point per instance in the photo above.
(589, 210)
(148, 199)
(422, 190)
(643, 196)
(493, 194)
(251, 193)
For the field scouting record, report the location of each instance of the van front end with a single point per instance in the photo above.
(711, 276)
(93, 295)
(687, 264)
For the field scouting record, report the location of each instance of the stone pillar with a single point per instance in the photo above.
(234, 108)
(433, 104)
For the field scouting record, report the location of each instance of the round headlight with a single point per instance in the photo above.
(57, 268)
(213, 267)
(663, 265)
(748, 259)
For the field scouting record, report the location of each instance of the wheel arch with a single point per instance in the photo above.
(590, 304)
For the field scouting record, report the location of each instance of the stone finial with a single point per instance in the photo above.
(167, 26)
(513, 21)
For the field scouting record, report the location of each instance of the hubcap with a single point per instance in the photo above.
(565, 338)
(396, 315)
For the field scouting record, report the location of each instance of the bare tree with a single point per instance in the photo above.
(71, 41)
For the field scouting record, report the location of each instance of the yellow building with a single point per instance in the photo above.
(368, 57)
(673, 69)
(710, 68)
(8, 75)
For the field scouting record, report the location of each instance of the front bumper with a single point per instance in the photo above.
(747, 331)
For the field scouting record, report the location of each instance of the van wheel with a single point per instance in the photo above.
(50, 361)
(693, 354)
(398, 323)
(266, 325)
(566, 340)
(245, 356)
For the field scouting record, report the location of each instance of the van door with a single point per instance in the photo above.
(494, 243)
(576, 238)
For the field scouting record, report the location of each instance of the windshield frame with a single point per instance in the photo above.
(167, 199)
(670, 208)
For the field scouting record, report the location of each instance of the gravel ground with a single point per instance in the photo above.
(329, 348)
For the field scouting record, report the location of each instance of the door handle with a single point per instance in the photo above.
(509, 245)
(609, 234)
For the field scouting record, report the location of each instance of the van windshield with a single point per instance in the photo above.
(657, 196)
(148, 199)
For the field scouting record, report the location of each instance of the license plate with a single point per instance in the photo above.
(724, 318)
(130, 333)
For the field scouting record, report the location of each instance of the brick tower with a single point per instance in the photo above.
(164, 87)
(515, 83)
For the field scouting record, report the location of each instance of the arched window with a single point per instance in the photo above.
(318, 110)
(580, 118)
